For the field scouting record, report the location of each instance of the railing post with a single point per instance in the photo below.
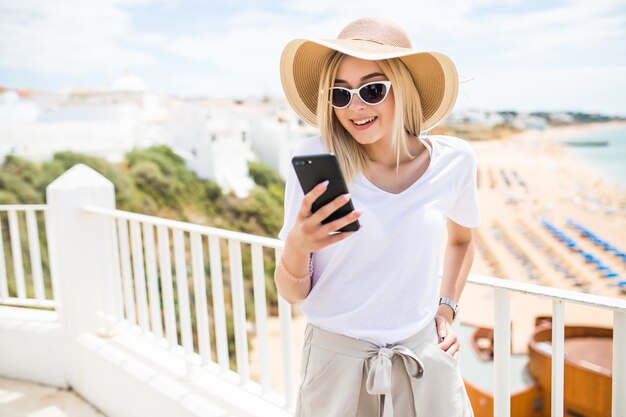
(558, 356)
(85, 257)
(502, 353)
(619, 365)
(286, 320)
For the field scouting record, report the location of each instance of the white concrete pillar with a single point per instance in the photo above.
(85, 255)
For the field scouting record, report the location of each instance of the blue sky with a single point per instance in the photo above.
(511, 54)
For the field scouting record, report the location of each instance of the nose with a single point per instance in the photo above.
(356, 103)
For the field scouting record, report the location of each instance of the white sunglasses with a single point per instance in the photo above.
(371, 93)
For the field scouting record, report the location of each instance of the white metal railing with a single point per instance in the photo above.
(43, 289)
(174, 260)
(502, 339)
(161, 267)
(143, 252)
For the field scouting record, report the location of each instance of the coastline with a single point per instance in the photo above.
(554, 136)
(554, 133)
(512, 241)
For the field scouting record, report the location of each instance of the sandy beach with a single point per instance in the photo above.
(543, 183)
(512, 243)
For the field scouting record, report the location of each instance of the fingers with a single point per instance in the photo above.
(310, 197)
(330, 208)
(313, 221)
(311, 232)
(337, 237)
(441, 326)
(341, 222)
(450, 344)
(453, 350)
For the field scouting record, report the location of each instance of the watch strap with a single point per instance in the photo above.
(450, 302)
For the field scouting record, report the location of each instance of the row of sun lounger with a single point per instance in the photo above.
(529, 266)
(554, 259)
(597, 240)
(505, 177)
(589, 257)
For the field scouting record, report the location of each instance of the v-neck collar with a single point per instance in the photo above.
(432, 154)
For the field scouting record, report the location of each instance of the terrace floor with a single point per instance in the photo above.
(26, 399)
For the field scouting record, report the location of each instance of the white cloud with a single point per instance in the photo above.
(236, 51)
(573, 27)
(591, 89)
(245, 58)
(72, 37)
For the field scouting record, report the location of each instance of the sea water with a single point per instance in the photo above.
(608, 161)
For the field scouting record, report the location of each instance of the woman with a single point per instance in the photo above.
(377, 330)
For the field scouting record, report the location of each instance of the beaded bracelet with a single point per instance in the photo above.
(281, 266)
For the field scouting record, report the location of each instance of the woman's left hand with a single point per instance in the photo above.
(448, 340)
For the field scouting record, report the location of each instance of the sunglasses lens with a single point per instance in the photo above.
(373, 93)
(340, 97)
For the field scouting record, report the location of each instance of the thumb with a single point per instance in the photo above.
(441, 326)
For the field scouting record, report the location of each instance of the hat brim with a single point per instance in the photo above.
(433, 73)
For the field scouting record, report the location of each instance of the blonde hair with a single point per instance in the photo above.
(407, 121)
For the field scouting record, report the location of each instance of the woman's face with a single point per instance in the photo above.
(367, 124)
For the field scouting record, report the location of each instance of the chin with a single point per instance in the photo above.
(365, 139)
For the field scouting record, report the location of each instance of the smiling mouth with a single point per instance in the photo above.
(365, 122)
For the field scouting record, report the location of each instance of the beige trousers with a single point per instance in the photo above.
(347, 377)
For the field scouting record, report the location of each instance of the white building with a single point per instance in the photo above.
(217, 138)
(129, 83)
(276, 131)
(475, 117)
(104, 122)
(15, 110)
(215, 143)
(40, 141)
(526, 121)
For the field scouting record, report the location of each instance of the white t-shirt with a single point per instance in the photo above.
(381, 283)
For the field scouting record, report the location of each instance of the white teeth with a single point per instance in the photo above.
(363, 121)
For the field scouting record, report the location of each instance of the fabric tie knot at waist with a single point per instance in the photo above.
(380, 367)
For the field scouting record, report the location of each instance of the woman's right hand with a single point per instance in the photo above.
(308, 233)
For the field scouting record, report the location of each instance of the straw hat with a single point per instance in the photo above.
(434, 74)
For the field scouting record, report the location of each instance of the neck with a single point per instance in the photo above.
(383, 153)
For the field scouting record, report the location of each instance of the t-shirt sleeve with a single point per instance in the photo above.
(465, 209)
(293, 200)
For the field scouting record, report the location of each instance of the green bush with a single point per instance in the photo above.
(156, 181)
(263, 175)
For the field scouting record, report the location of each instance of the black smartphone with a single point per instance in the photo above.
(313, 169)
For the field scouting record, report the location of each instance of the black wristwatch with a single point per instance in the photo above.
(450, 302)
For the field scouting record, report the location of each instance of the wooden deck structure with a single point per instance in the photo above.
(588, 358)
